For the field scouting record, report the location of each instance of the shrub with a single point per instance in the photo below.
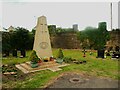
(60, 54)
(33, 57)
(67, 60)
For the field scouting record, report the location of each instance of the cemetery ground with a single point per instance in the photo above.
(95, 67)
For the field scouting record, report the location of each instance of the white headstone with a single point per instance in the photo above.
(42, 44)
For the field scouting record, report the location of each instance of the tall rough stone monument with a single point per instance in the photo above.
(42, 44)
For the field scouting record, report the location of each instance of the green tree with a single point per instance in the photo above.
(6, 46)
(95, 37)
(33, 31)
(21, 39)
(88, 37)
(60, 54)
(52, 29)
(13, 40)
(31, 41)
(59, 30)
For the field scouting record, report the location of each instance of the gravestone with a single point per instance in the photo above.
(42, 44)
(14, 53)
(23, 53)
(100, 53)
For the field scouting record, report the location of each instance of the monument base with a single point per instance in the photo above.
(51, 65)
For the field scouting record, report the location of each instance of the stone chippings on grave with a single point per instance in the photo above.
(42, 44)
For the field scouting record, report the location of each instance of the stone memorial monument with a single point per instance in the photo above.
(42, 44)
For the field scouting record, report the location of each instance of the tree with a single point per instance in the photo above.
(13, 40)
(31, 41)
(96, 37)
(59, 30)
(33, 31)
(6, 47)
(88, 37)
(52, 29)
(22, 38)
(60, 54)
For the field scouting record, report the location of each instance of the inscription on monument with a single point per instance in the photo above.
(43, 45)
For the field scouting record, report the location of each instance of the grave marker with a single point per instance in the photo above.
(42, 44)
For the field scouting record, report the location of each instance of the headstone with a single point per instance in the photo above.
(100, 54)
(42, 44)
(23, 53)
(14, 53)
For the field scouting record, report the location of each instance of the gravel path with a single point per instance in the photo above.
(84, 82)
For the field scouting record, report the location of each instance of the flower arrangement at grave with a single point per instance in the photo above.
(51, 58)
(46, 59)
(34, 59)
(40, 61)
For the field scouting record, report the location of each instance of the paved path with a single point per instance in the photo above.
(87, 82)
(54, 69)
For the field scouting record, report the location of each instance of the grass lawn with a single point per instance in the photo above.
(94, 66)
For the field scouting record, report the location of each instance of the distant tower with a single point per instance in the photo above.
(75, 27)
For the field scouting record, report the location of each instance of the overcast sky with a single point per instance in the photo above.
(62, 14)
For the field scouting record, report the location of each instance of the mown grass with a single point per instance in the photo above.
(94, 66)
(39, 79)
(13, 60)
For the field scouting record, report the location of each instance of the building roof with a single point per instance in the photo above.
(11, 28)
